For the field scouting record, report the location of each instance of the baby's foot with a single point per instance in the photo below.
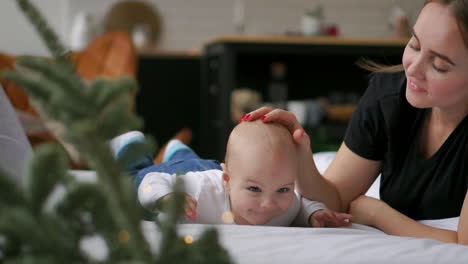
(184, 135)
(129, 149)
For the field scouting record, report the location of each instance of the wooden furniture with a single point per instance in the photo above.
(316, 66)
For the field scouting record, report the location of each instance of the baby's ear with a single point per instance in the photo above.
(225, 173)
(225, 177)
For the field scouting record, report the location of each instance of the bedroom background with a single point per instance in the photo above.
(170, 69)
(175, 81)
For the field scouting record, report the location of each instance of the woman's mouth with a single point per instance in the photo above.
(414, 87)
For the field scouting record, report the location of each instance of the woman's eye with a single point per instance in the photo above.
(439, 67)
(254, 189)
(283, 190)
(413, 44)
(413, 47)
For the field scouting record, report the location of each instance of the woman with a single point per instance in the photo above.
(412, 127)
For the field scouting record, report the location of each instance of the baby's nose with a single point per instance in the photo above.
(268, 203)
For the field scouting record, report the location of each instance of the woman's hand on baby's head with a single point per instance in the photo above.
(257, 114)
(328, 218)
(283, 117)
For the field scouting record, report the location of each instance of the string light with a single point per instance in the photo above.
(147, 188)
(227, 217)
(123, 236)
(188, 239)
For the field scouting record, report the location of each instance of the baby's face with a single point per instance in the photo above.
(260, 191)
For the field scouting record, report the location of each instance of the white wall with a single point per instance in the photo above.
(18, 37)
(189, 23)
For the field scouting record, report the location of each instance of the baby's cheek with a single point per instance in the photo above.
(286, 203)
(240, 202)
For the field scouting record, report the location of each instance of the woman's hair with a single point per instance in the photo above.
(460, 12)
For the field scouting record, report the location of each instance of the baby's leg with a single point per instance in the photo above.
(179, 159)
(176, 150)
(184, 135)
(127, 149)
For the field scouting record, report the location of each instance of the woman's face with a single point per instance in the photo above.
(436, 62)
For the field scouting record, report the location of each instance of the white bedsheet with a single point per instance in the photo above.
(358, 244)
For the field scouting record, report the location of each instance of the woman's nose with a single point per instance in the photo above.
(416, 68)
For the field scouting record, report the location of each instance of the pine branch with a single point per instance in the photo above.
(88, 114)
(10, 194)
(47, 35)
(40, 179)
(123, 206)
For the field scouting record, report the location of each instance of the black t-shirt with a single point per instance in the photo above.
(386, 127)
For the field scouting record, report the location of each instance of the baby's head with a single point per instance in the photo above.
(259, 171)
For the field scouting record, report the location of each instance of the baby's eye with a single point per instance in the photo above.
(283, 190)
(254, 189)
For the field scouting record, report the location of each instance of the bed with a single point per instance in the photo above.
(357, 244)
(259, 244)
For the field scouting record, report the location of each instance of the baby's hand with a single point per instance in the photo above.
(190, 207)
(328, 218)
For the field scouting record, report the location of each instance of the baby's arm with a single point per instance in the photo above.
(315, 214)
(156, 189)
(329, 218)
(190, 206)
(306, 210)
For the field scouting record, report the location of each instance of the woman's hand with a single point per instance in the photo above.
(283, 117)
(365, 208)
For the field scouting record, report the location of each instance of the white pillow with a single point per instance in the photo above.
(14, 146)
(323, 160)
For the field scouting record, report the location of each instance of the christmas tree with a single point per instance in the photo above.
(35, 230)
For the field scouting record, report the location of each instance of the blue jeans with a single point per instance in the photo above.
(182, 161)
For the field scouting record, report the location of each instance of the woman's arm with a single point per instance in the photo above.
(370, 211)
(463, 223)
(351, 174)
(347, 177)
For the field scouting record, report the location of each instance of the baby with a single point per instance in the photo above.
(255, 185)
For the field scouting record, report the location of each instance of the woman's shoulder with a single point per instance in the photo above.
(388, 84)
(385, 90)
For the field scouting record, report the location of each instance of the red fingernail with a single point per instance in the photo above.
(302, 133)
(263, 118)
(247, 116)
(243, 116)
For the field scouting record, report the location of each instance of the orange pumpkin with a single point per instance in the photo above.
(18, 97)
(112, 55)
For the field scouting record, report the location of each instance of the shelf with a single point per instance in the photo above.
(316, 67)
(300, 40)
